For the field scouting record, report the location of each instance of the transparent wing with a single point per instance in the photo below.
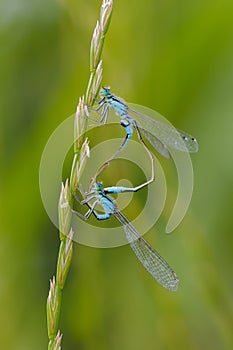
(148, 256)
(158, 145)
(165, 133)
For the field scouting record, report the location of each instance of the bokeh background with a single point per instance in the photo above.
(175, 57)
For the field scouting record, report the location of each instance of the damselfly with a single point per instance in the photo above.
(148, 256)
(160, 135)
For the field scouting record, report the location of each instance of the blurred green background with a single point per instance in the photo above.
(175, 57)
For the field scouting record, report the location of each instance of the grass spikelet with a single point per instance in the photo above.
(81, 154)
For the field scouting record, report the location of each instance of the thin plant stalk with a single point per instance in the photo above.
(81, 154)
(97, 44)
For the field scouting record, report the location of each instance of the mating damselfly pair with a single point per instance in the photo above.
(162, 137)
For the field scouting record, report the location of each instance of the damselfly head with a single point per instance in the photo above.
(105, 92)
(98, 186)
